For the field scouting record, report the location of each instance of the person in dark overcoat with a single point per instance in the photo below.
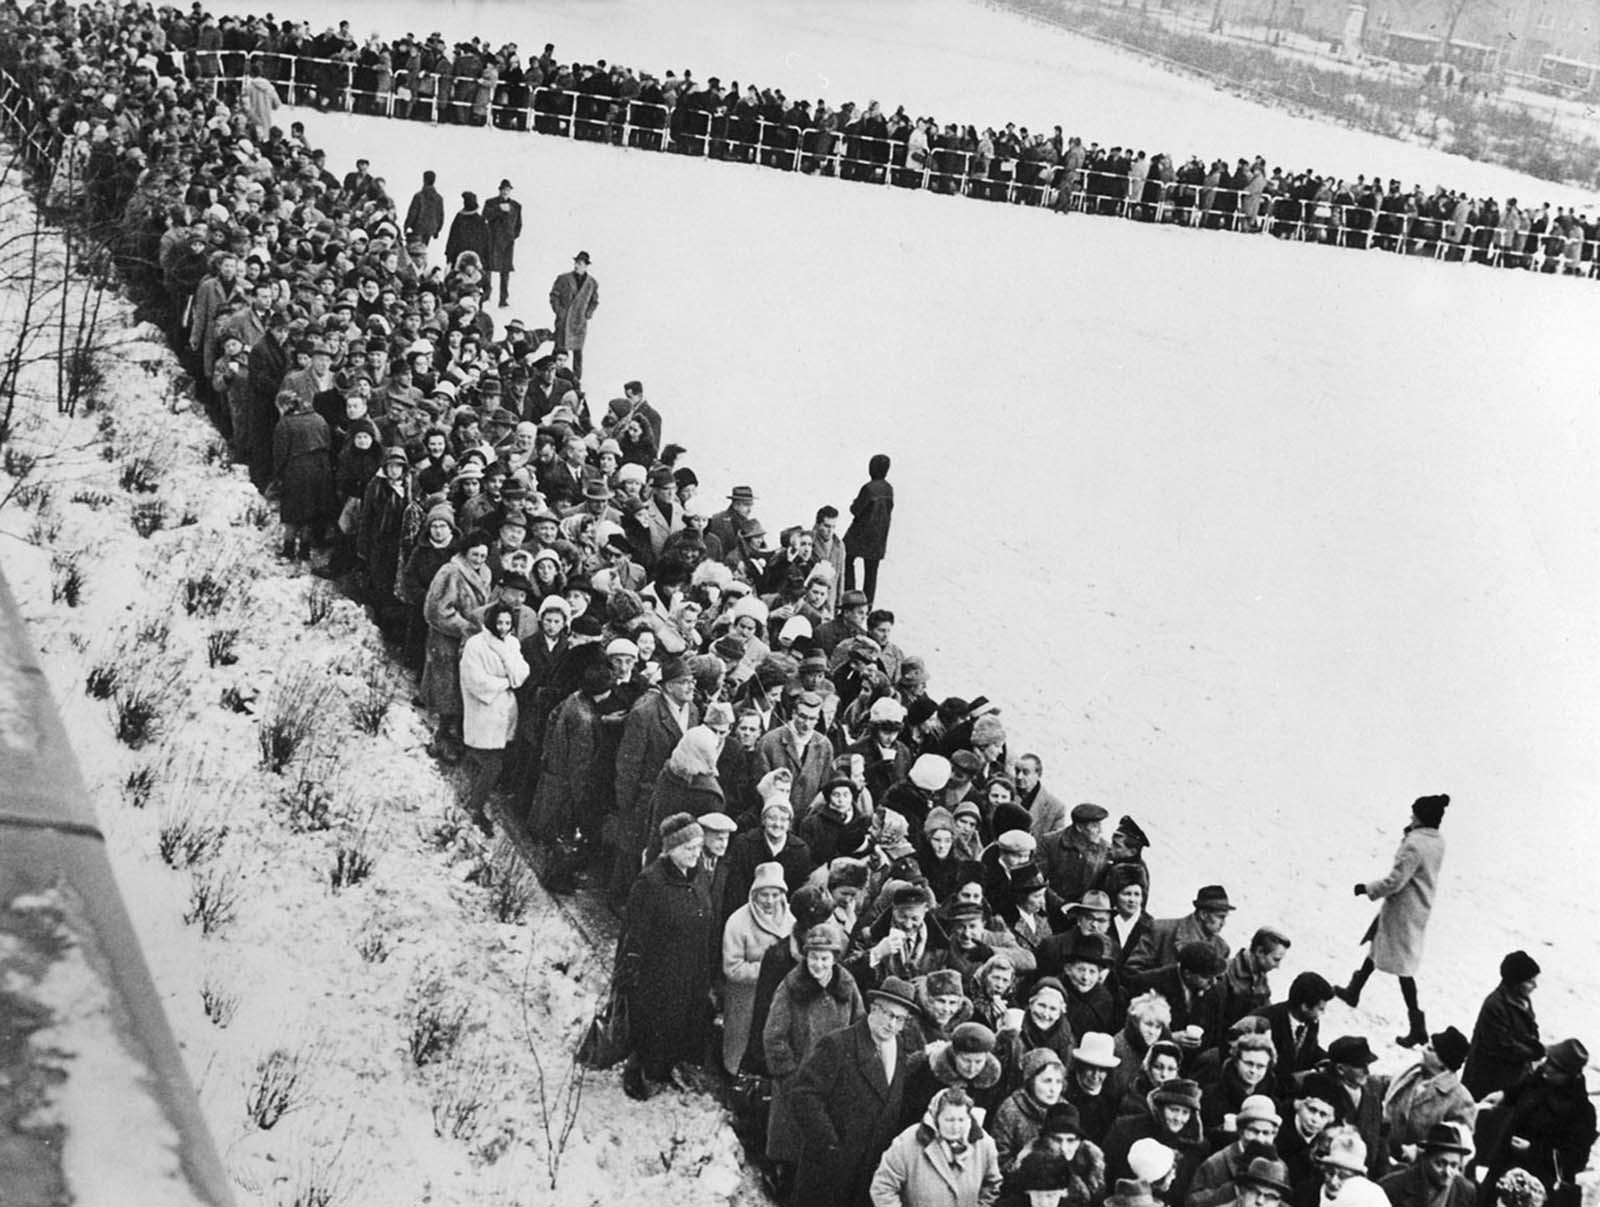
(574, 784)
(664, 959)
(378, 537)
(468, 232)
(867, 538)
(649, 736)
(773, 842)
(425, 214)
(846, 1097)
(1505, 1039)
(574, 297)
(1438, 1178)
(302, 462)
(1544, 1124)
(504, 216)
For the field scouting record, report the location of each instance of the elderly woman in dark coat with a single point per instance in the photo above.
(664, 958)
(383, 512)
(434, 547)
(302, 461)
(458, 590)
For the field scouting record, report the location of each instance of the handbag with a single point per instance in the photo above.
(605, 1043)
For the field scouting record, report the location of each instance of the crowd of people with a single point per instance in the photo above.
(923, 977)
(472, 83)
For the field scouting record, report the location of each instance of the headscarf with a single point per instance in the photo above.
(696, 752)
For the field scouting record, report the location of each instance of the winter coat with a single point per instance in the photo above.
(917, 1171)
(1166, 936)
(696, 796)
(302, 462)
(425, 215)
(492, 668)
(1015, 1125)
(846, 1112)
(871, 510)
(1188, 1147)
(1215, 1181)
(1558, 1121)
(1505, 1044)
(801, 1013)
(1071, 862)
(1415, 1102)
(745, 939)
(504, 217)
(1048, 811)
(574, 789)
(258, 99)
(1409, 1188)
(1012, 1046)
(1407, 896)
(649, 736)
(573, 300)
(378, 538)
(749, 850)
(665, 961)
(934, 1069)
(456, 592)
(468, 232)
(811, 766)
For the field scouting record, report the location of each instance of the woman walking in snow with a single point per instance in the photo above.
(1402, 921)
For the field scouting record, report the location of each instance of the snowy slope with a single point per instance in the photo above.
(1256, 541)
(952, 59)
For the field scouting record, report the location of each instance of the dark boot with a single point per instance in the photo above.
(1350, 994)
(1419, 1031)
(633, 1083)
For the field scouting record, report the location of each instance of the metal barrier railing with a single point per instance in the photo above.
(747, 137)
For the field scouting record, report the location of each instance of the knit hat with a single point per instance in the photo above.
(939, 818)
(442, 511)
(824, 936)
(1450, 1046)
(930, 772)
(971, 1038)
(1036, 1060)
(679, 830)
(1429, 810)
(1519, 966)
(966, 808)
(1149, 1160)
(768, 875)
(987, 731)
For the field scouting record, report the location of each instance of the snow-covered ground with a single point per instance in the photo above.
(956, 60)
(1256, 541)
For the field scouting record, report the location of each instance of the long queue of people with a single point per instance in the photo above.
(925, 978)
(472, 83)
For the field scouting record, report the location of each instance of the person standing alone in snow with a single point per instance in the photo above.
(574, 298)
(504, 217)
(1407, 896)
(425, 214)
(868, 535)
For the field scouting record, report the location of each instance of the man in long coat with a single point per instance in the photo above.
(649, 736)
(574, 297)
(504, 217)
(425, 214)
(1407, 896)
(847, 1096)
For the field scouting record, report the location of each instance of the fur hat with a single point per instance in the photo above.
(811, 905)
(944, 982)
(987, 731)
(679, 829)
(824, 936)
(845, 872)
(1180, 1091)
(972, 1037)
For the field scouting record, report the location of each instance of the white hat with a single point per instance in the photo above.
(1345, 1150)
(419, 347)
(794, 628)
(1361, 1191)
(768, 875)
(621, 646)
(718, 823)
(447, 388)
(554, 603)
(1096, 1049)
(631, 472)
(750, 606)
(1150, 1160)
(886, 709)
(930, 772)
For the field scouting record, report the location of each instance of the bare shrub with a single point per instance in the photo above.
(219, 647)
(138, 704)
(151, 632)
(234, 700)
(353, 860)
(293, 712)
(138, 785)
(466, 1091)
(141, 473)
(33, 494)
(319, 600)
(94, 500)
(203, 593)
(258, 514)
(281, 1085)
(438, 1017)
(149, 517)
(323, 1177)
(310, 806)
(443, 834)
(373, 942)
(46, 527)
(219, 1004)
(18, 463)
(213, 898)
(371, 703)
(66, 577)
(101, 679)
(188, 836)
(510, 886)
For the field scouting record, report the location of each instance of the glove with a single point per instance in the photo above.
(1361, 889)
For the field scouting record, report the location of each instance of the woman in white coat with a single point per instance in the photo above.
(1406, 894)
(761, 922)
(492, 668)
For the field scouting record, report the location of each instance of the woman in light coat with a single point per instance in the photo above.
(947, 1160)
(1406, 894)
(457, 591)
(492, 668)
(761, 922)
